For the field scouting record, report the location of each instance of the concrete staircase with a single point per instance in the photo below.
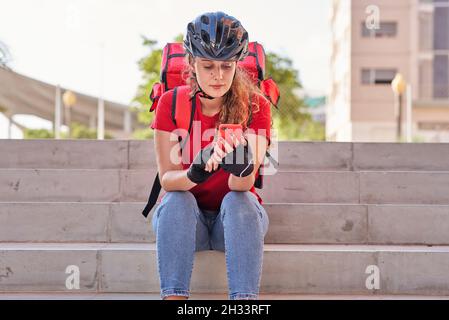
(338, 212)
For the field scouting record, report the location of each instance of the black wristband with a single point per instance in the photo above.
(197, 172)
(237, 165)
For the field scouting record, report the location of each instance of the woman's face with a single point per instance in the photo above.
(214, 77)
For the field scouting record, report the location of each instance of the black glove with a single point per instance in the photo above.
(239, 162)
(196, 172)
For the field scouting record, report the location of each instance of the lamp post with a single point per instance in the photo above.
(57, 126)
(398, 85)
(69, 99)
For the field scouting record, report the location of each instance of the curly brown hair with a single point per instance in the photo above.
(237, 101)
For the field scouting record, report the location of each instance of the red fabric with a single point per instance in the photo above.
(250, 63)
(271, 90)
(210, 193)
(173, 67)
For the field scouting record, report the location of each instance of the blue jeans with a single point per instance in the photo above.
(238, 229)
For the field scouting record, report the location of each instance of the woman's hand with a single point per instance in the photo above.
(216, 158)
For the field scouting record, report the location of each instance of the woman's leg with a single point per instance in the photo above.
(177, 238)
(239, 230)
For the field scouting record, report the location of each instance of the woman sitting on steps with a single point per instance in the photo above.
(211, 204)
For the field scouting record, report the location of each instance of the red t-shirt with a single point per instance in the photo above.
(210, 193)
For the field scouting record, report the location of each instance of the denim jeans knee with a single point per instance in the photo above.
(185, 198)
(247, 206)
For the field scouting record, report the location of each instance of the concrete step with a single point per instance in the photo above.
(303, 156)
(114, 185)
(290, 223)
(288, 269)
(205, 296)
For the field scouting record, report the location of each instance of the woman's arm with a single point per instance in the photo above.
(168, 158)
(260, 144)
(241, 184)
(176, 180)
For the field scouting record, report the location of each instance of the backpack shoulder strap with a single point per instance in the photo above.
(154, 194)
(183, 111)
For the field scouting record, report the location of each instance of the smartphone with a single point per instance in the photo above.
(226, 129)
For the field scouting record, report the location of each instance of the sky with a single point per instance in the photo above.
(93, 46)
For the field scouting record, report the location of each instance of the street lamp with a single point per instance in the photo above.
(398, 85)
(69, 99)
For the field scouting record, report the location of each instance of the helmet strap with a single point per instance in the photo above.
(204, 94)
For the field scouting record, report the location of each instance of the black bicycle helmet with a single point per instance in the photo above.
(216, 36)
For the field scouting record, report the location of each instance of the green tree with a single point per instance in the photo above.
(150, 67)
(38, 134)
(77, 131)
(291, 120)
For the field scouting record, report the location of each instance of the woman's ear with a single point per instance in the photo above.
(191, 63)
(192, 67)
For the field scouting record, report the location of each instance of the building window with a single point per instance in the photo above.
(386, 30)
(378, 76)
(441, 28)
(441, 77)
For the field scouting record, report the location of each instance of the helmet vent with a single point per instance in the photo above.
(205, 36)
(205, 19)
(230, 42)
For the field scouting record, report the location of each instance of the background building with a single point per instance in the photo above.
(412, 38)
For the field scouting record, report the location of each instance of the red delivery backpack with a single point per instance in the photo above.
(173, 78)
